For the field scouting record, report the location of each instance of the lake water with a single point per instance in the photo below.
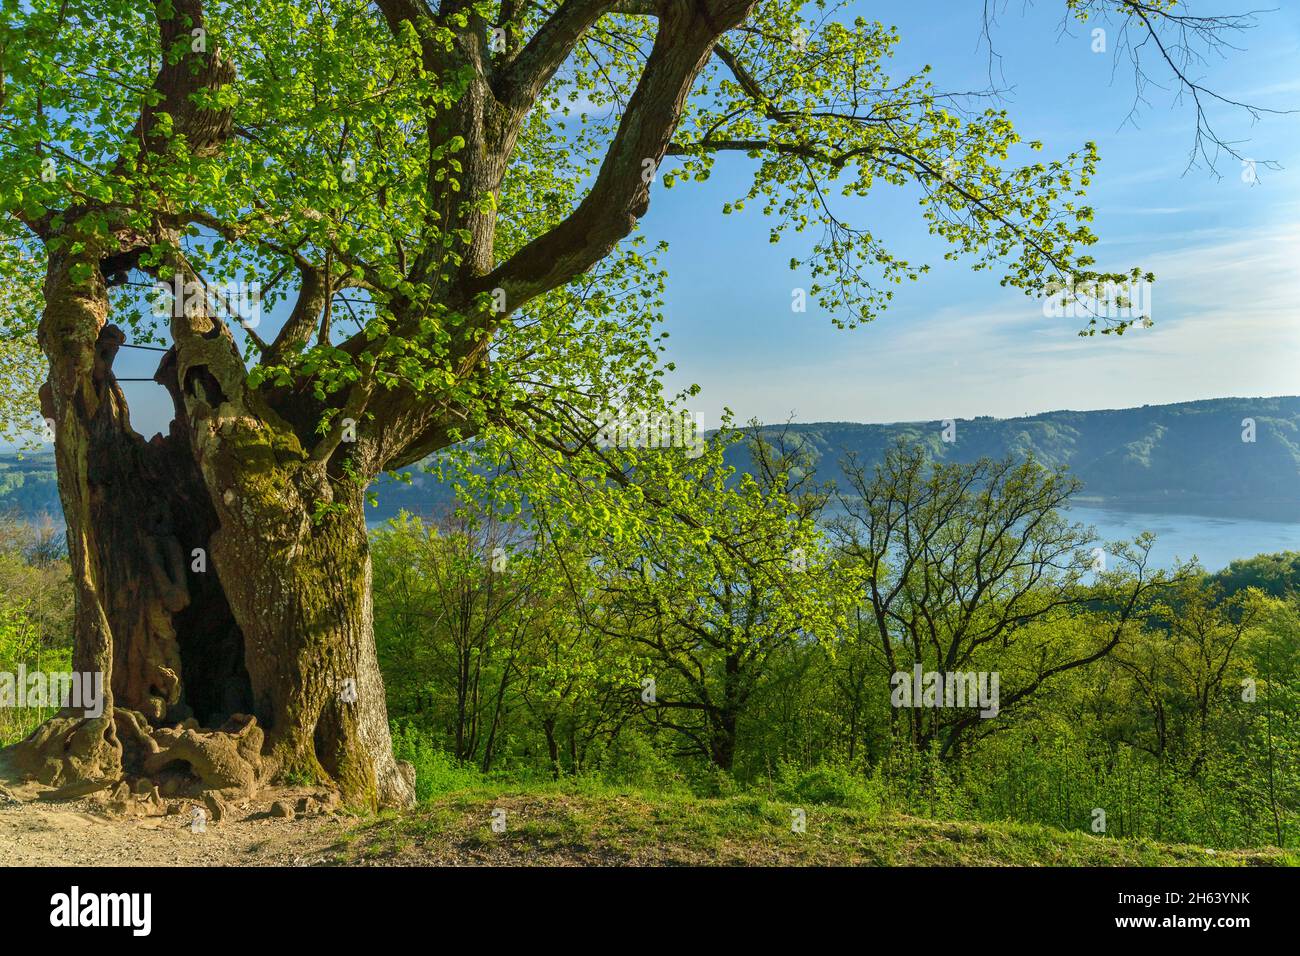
(1215, 541)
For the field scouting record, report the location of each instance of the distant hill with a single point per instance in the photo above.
(27, 485)
(1184, 458)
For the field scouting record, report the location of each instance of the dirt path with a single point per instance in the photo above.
(80, 833)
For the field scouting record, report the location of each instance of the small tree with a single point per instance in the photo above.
(455, 600)
(738, 572)
(963, 562)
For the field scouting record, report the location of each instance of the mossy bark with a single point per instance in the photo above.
(220, 575)
(302, 598)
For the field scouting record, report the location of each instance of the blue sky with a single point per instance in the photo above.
(955, 344)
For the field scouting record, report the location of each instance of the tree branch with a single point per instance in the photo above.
(523, 81)
(621, 193)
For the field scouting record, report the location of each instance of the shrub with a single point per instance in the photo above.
(829, 785)
(436, 772)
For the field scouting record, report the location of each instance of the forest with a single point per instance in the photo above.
(525, 649)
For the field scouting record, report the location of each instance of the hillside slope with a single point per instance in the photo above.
(611, 829)
(554, 828)
(1187, 457)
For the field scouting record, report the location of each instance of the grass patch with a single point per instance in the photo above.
(594, 824)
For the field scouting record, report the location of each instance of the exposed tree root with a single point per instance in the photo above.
(78, 754)
(225, 759)
(69, 749)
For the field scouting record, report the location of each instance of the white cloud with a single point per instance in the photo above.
(1226, 324)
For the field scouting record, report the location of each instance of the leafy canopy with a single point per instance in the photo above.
(351, 185)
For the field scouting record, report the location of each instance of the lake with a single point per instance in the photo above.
(1215, 541)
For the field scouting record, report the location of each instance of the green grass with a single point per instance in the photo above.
(589, 824)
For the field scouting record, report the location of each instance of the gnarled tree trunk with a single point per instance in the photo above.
(300, 589)
(230, 618)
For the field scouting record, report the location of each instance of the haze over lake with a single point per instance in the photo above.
(1215, 541)
(1182, 471)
